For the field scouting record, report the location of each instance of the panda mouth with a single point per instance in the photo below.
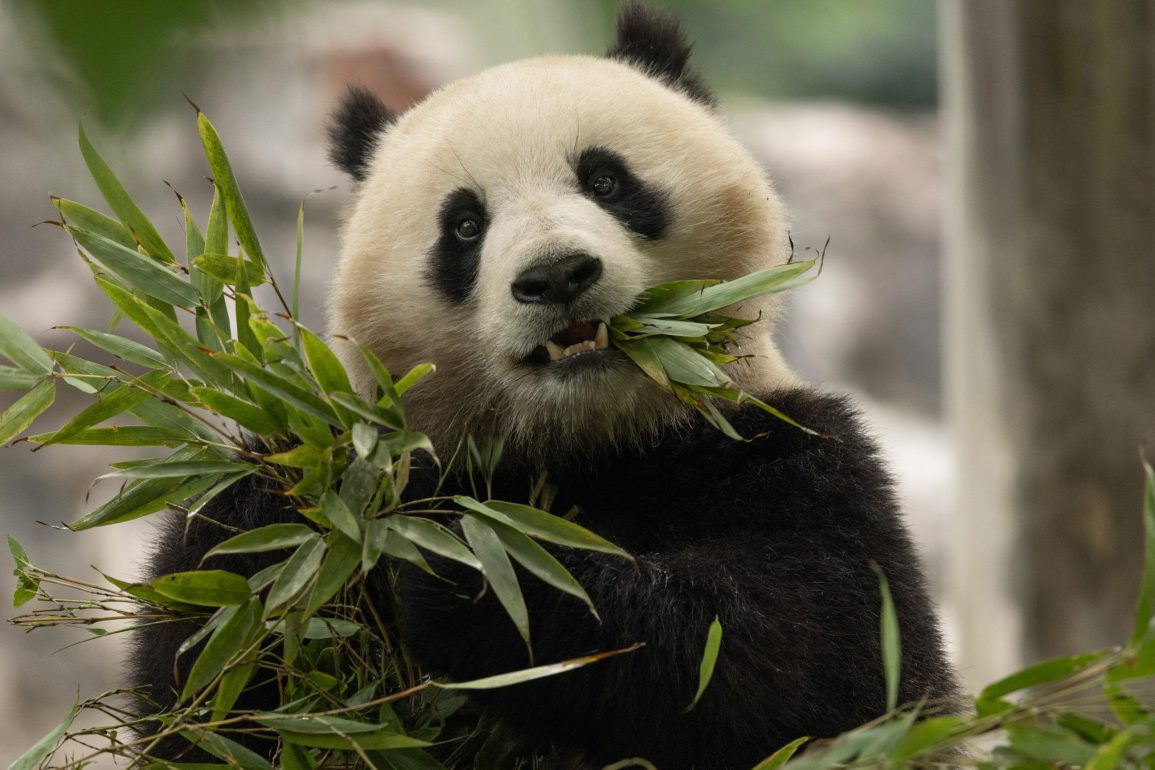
(577, 339)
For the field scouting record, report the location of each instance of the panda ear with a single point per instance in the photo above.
(654, 42)
(354, 129)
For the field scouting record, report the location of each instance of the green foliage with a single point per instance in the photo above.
(349, 691)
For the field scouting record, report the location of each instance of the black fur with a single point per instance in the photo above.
(654, 42)
(454, 262)
(638, 206)
(354, 129)
(775, 537)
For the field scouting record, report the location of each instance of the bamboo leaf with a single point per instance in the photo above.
(327, 368)
(891, 652)
(22, 350)
(335, 511)
(117, 435)
(413, 376)
(271, 537)
(17, 417)
(498, 571)
(1145, 607)
(141, 272)
(226, 182)
(726, 293)
(244, 413)
(142, 498)
(31, 759)
(782, 755)
(299, 571)
(541, 563)
(709, 659)
(76, 214)
(542, 525)
(122, 204)
(207, 587)
(341, 561)
(229, 638)
(280, 387)
(1046, 672)
(224, 269)
(121, 347)
(180, 470)
(530, 674)
(109, 404)
(12, 378)
(683, 365)
(433, 537)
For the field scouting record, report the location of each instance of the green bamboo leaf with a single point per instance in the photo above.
(27, 582)
(402, 441)
(652, 300)
(207, 587)
(235, 633)
(278, 386)
(935, 734)
(244, 413)
(433, 537)
(1050, 745)
(381, 538)
(300, 570)
(141, 272)
(117, 435)
(121, 347)
(231, 687)
(390, 398)
(226, 182)
(224, 269)
(31, 759)
(643, 353)
(1108, 755)
(541, 525)
(1145, 607)
(341, 561)
(891, 651)
(382, 738)
(17, 417)
(327, 368)
(112, 402)
(413, 376)
(1046, 672)
(272, 537)
(530, 674)
(221, 747)
(12, 378)
(720, 295)
(709, 660)
(541, 563)
(300, 456)
(180, 470)
(782, 755)
(684, 365)
(498, 570)
(142, 498)
(375, 414)
(650, 325)
(338, 515)
(122, 204)
(168, 332)
(22, 350)
(364, 440)
(74, 213)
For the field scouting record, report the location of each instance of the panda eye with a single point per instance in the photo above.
(604, 185)
(468, 229)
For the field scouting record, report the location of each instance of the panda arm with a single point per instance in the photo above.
(775, 538)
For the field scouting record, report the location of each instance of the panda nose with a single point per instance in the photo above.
(558, 282)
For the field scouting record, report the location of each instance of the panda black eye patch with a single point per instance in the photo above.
(454, 262)
(605, 178)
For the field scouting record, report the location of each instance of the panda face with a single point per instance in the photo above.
(503, 221)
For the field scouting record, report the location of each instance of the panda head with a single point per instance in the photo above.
(500, 222)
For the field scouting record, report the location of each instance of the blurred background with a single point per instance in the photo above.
(985, 172)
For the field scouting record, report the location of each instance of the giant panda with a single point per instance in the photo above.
(495, 227)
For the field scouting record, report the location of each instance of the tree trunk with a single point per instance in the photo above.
(1050, 114)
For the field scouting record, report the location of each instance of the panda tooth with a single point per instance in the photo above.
(602, 340)
(555, 350)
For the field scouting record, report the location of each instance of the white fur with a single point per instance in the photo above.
(511, 134)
